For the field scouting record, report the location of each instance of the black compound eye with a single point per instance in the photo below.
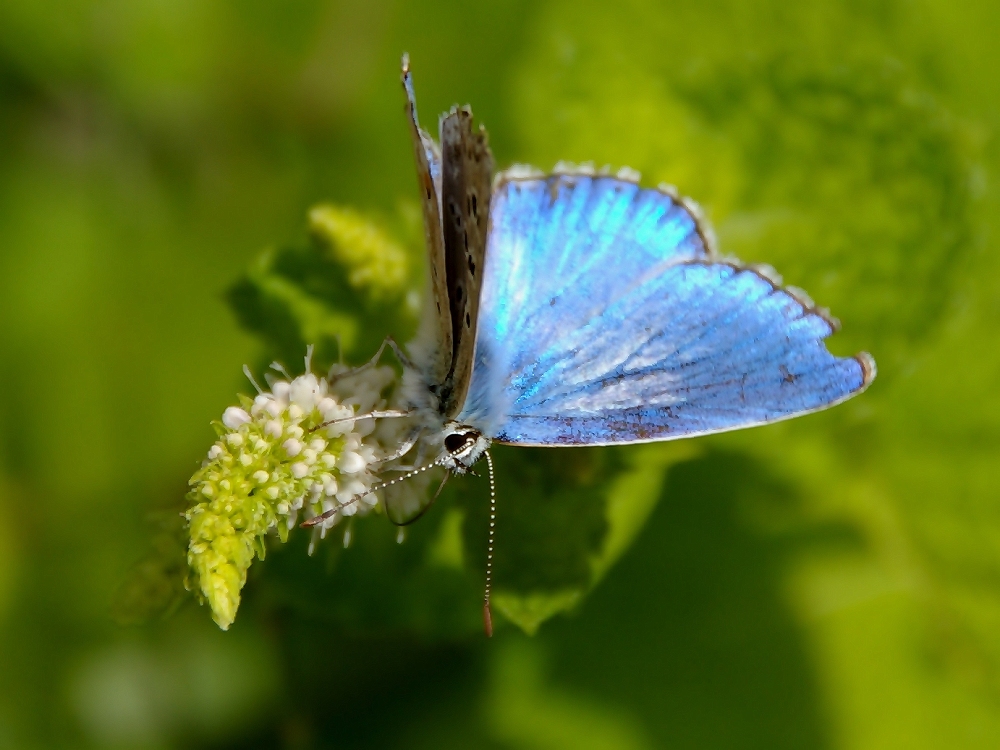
(455, 442)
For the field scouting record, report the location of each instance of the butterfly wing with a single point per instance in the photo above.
(435, 356)
(606, 319)
(467, 171)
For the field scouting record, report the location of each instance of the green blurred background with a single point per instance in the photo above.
(831, 582)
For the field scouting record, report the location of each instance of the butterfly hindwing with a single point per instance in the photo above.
(607, 319)
(437, 359)
(466, 176)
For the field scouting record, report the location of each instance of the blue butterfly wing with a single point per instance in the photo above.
(605, 318)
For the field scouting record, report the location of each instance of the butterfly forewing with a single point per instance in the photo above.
(466, 176)
(428, 158)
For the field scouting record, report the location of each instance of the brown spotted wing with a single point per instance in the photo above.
(455, 183)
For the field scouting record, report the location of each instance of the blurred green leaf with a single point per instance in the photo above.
(320, 292)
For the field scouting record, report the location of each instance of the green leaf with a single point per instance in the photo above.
(560, 532)
(342, 292)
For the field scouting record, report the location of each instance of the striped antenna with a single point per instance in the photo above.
(316, 520)
(487, 615)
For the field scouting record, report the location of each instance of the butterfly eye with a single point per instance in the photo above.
(455, 442)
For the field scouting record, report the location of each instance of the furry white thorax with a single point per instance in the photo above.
(457, 445)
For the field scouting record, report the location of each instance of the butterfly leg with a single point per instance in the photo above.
(333, 377)
(374, 414)
(403, 448)
(427, 507)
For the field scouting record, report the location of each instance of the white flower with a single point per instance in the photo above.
(280, 390)
(304, 392)
(273, 465)
(329, 408)
(261, 403)
(234, 417)
(351, 462)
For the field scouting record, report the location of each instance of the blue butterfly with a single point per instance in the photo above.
(578, 308)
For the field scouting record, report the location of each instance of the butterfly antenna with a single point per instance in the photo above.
(315, 520)
(487, 615)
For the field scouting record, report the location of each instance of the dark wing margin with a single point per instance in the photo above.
(466, 177)
(428, 160)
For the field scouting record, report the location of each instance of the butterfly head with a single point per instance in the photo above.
(464, 445)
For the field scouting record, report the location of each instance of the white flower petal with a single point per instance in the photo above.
(234, 417)
(261, 402)
(304, 392)
(351, 462)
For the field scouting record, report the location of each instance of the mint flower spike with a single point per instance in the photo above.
(274, 461)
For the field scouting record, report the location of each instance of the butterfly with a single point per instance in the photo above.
(579, 308)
